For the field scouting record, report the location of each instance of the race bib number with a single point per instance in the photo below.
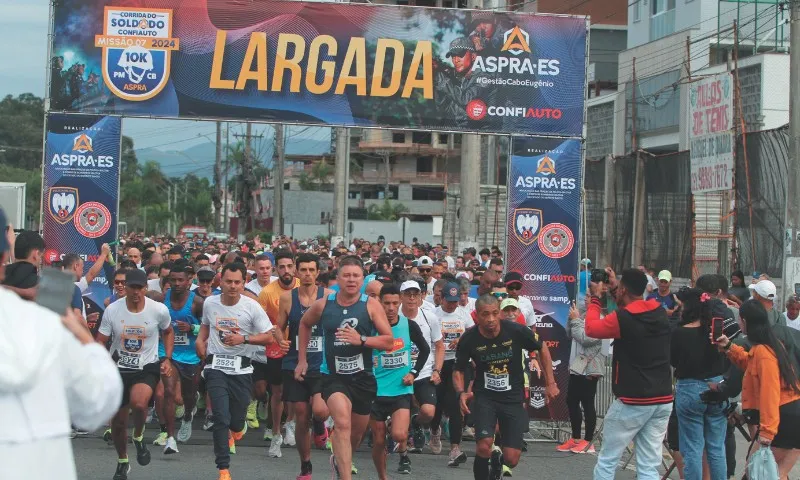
(181, 339)
(394, 360)
(497, 382)
(350, 365)
(227, 363)
(129, 360)
(451, 331)
(314, 344)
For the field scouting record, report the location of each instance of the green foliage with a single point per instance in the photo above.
(21, 130)
(321, 174)
(388, 211)
(33, 188)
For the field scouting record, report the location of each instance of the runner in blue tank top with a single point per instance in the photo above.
(185, 310)
(395, 376)
(307, 394)
(352, 326)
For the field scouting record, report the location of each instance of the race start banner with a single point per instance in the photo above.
(80, 193)
(357, 65)
(544, 202)
(711, 135)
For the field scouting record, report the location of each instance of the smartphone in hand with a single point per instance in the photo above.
(716, 327)
(55, 290)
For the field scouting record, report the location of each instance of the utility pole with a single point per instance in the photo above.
(169, 209)
(639, 187)
(470, 190)
(340, 186)
(226, 198)
(218, 181)
(175, 207)
(247, 181)
(277, 174)
(791, 267)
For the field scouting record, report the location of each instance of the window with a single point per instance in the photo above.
(424, 165)
(398, 137)
(427, 193)
(442, 139)
(661, 6)
(457, 138)
(421, 137)
(637, 12)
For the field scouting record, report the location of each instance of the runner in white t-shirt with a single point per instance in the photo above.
(263, 277)
(429, 377)
(133, 324)
(231, 324)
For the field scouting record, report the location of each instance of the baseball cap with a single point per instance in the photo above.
(135, 278)
(765, 289)
(512, 277)
(383, 277)
(424, 261)
(409, 285)
(451, 292)
(665, 275)
(205, 273)
(459, 46)
(462, 275)
(509, 302)
(586, 262)
(4, 246)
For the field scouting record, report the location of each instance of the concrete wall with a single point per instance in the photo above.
(370, 230)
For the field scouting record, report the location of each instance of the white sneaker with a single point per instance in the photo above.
(275, 447)
(185, 432)
(289, 439)
(171, 446)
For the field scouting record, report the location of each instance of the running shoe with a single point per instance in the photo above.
(252, 418)
(209, 423)
(107, 437)
(224, 474)
(457, 457)
(306, 476)
(507, 471)
(418, 436)
(405, 465)
(161, 439)
(496, 464)
(142, 453)
(436, 441)
(582, 446)
(321, 439)
(567, 446)
(231, 443)
(261, 411)
(180, 411)
(353, 468)
(468, 433)
(289, 439)
(171, 446)
(267, 434)
(123, 469)
(185, 432)
(275, 446)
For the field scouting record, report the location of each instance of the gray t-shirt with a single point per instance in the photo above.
(134, 336)
(245, 318)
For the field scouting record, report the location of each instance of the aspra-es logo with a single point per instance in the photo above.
(516, 41)
(546, 166)
(82, 143)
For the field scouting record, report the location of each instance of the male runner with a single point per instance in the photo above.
(395, 377)
(454, 322)
(205, 283)
(263, 276)
(134, 324)
(308, 393)
(429, 376)
(349, 320)
(185, 310)
(269, 364)
(496, 348)
(231, 324)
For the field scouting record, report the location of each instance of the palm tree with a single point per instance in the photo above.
(387, 211)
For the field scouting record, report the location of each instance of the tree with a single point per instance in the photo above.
(319, 175)
(21, 128)
(388, 211)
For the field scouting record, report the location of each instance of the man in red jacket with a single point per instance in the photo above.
(641, 374)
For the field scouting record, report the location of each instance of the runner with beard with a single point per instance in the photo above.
(134, 324)
(305, 397)
(269, 364)
(349, 321)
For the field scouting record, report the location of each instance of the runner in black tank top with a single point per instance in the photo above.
(293, 305)
(352, 326)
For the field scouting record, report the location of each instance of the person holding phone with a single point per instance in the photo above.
(697, 363)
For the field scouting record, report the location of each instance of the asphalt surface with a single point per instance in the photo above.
(96, 460)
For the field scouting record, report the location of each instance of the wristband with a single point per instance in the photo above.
(414, 373)
(195, 330)
(728, 346)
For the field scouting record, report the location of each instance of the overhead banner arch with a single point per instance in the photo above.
(321, 63)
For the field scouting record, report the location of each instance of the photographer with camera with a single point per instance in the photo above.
(697, 362)
(770, 387)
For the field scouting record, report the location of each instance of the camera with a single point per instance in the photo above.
(599, 276)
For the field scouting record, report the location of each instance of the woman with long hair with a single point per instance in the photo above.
(697, 363)
(770, 387)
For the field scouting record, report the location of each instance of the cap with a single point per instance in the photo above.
(424, 261)
(383, 277)
(586, 262)
(460, 45)
(764, 289)
(451, 292)
(665, 275)
(135, 278)
(462, 275)
(409, 285)
(512, 277)
(205, 273)
(4, 246)
(509, 302)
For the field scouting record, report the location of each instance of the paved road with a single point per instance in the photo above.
(96, 460)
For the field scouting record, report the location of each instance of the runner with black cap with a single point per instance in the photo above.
(205, 283)
(513, 281)
(133, 323)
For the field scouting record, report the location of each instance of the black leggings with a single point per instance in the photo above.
(580, 393)
(448, 403)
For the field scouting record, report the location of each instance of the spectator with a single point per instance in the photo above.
(583, 280)
(770, 389)
(642, 381)
(665, 297)
(586, 365)
(764, 292)
(738, 288)
(496, 264)
(484, 286)
(792, 312)
(22, 276)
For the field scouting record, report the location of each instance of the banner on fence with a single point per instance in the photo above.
(711, 133)
(542, 244)
(322, 63)
(80, 193)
